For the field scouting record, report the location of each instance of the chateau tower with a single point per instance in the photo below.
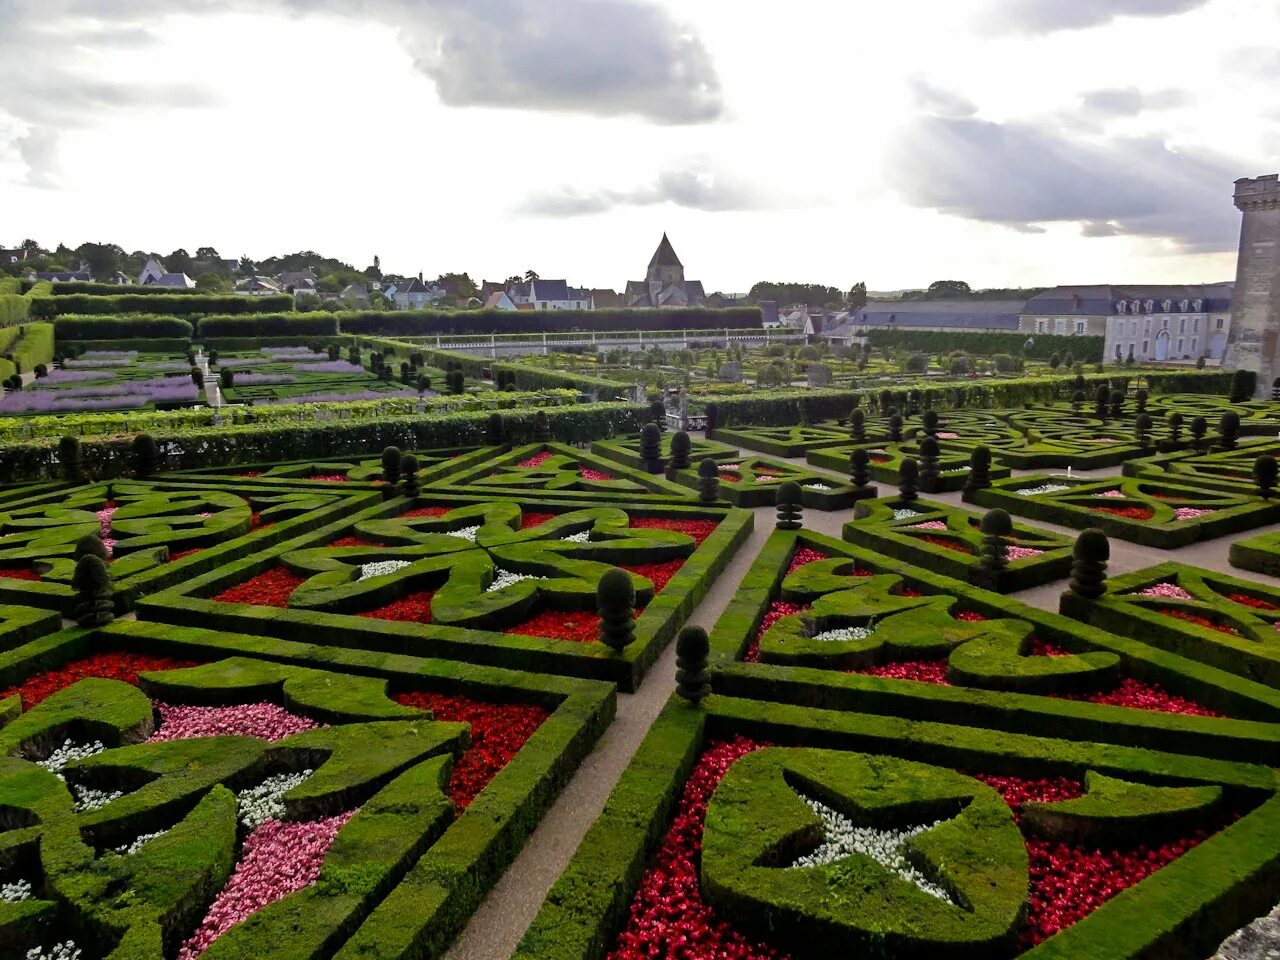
(1254, 343)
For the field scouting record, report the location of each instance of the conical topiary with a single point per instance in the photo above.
(146, 455)
(693, 679)
(930, 472)
(979, 477)
(1089, 567)
(91, 582)
(71, 456)
(391, 458)
(708, 481)
(651, 447)
(1264, 475)
(859, 467)
(409, 475)
(790, 511)
(616, 603)
(681, 448)
(908, 480)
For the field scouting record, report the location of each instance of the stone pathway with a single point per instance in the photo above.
(497, 926)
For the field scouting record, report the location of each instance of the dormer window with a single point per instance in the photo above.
(1151, 306)
(1135, 306)
(1198, 305)
(1120, 306)
(1184, 305)
(1168, 306)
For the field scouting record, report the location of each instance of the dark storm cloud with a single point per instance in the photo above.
(1047, 16)
(1023, 177)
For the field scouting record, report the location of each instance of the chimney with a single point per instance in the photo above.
(419, 276)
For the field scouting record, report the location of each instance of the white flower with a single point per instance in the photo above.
(906, 514)
(266, 800)
(466, 533)
(842, 838)
(816, 486)
(59, 951)
(505, 578)
(583, 537)
(13, 892)
(69, 751)
(1043, 488)
(380, 568)
(134, 847)
(843, 634)
(87, 798)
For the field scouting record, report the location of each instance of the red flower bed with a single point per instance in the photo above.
(257, 523)
(802, 556)
(698, 529)
(968, 616)
(329, 477)
(1130, 513)
(588, 474)
(248, 474)
(1138, 695)
(1199, 620)
(498, 731)
(184, 553)
(668, 917)
(777, 610)
(922, 671)
(354, 540)
(1256, 602)
(528, 520)
(878, 458)
(659, 574)
(730, 478)
(426, 512)
(17, 573)
(947, 544)
(113, 666)
(269, 589)
(1044, 648)
(580, 626)
(537, 460)
(414, 608)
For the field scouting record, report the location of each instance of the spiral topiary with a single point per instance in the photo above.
(681, 448)
(908, 480)
(391, 458)
(1229, 427)
(409, 475)
(1089, 566)
(693, 679)
(708, 481)
(1264, 475)
(616, 603)
(651, 447)
(146, 455)
(859, 467)
(71, 456)
(790, 511)
(979, 477)
(92, 585)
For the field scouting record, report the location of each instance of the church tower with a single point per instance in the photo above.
(1254, 342)
(665, 270)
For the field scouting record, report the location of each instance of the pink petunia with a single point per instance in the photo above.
(263, 720)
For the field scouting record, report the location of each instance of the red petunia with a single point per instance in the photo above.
(1129, 513)
(579, 626)
(117, 665)
(698, 529)
(354, 540)
(329, 477)
(1256, 602)
(528, 520)
(414, 608)
(803, 556)
(270, 589)
(426, 512)
(659, 574)
(19, 573)
(947, 544)
(1199, 620)
(922, 671)
(537, 460)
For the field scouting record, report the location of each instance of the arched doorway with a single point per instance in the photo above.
(1162, 346)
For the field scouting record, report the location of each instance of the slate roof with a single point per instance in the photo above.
(1100, 299)
(955, 314)
(550, 290)
(665, 255)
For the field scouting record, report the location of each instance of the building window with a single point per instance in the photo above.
(1219, 324)
(1195, 325)
(1042, 326)
(1079, 328)
(1133, 328)
(1145, 345)
(1193, 344)
(1182, 325)
(1118, 351)
(1180, 347)
(1059, 326)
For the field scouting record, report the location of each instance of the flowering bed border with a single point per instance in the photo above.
(429, 907)
(1252, 736)
(1083, 506)
(1193, 903)
(190, 603)
(873, 526)
(1243, 637)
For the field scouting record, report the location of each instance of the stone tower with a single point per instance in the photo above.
(1254, 343)
(665, 270)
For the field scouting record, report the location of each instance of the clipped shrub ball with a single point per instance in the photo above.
(146, 455)
(1089, 564)
(616, 603)
(681, 448)
(708, 481)
(91, 545)
(693, 679)
(391, 458)
(1264, 475)
(409, 475)
(790, 510)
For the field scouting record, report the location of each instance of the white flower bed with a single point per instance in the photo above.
(842, 838)
(582, 537)
(69, 751)
(466, 533)
(816, 486)
(842, 634)
(906, 514)
(87, 798)
(505, 578)
(134, 847)
(59, 951)
(15, 892)
(380, 568)
(266, 800)
(1043, 488)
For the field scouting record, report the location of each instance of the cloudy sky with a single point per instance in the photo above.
(1002, 142)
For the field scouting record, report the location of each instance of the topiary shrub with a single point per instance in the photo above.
(979, 477)
(495, 429)
(1199, 427)
(1142, 430)
(858, 426)
(908, 480)
(71, 456)
(651, 447)
(409, 475)
(1100, 401)
(227, 378)
(895, 428)
(1229, 427)
(1117, 403)
(1140, 399)
(658, 414)
(92, 585)
(197, 377)
(541, 427)
(1243, 385)
(996, 527)
(693, 679)
(681, 448)
(1077, 401)
(1174, 421)
(1089, 566)
(708, 481)
(930, 423)
(391, 458)
(616, 603)
(930, 473)
(146, 455)
(1264, 475)
(91, 545)
(859, 467)
(790, 510)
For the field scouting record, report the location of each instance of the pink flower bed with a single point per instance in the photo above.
(263, 720)
(1166, 591)
(278, 859)
(588, 474)
(929, 525)
(104, 525)
(1022, 553)
(1190, 513)
(536, 460)
(946, 435)
(1111, 493)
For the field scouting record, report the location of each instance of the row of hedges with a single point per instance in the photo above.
(110, 457)
(442, 322)
(184, 304)
(136, 326)
(32, 343)
(1043, 345)
(75, 287)
(270, 325)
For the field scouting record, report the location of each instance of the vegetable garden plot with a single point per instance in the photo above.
(1159, 513)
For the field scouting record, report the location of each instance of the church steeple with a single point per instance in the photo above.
(665, 255)
(665, 269)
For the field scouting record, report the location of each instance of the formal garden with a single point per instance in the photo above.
(303, 643)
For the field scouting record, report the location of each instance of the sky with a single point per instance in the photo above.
(1001, 142)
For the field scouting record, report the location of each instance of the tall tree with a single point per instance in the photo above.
(531, 275)
(857, 296)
